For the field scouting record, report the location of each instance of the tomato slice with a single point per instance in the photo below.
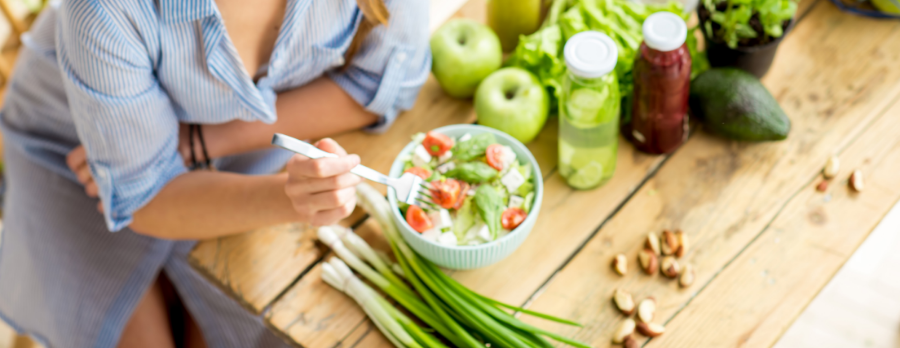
(417, 219)
(436, 143)
(445, 193)
(512, 218)
(494, 156)
(423, 173)
(463, 189)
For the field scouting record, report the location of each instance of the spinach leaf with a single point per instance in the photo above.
(490, 207)
(473, 172)
(474, 147)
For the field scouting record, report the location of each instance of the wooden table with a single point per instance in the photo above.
(764, 241)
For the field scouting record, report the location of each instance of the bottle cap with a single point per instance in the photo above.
(590, 54)
(664, 31)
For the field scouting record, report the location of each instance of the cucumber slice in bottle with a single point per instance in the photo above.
(587, 177)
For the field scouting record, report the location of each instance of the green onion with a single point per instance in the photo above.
(473, 320)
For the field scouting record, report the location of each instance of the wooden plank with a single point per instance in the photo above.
(764, 289)
(255, 267)
(722, 193)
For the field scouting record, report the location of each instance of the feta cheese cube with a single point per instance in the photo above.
(515, 201)
(465, 137)
(446, 167)
(420, 157)
(432, 234)
(445, 157)
(512, 180)
(472, 189)
(447, 238)
(472, 232)
(441, 219)
(507, 157)
(484, 233)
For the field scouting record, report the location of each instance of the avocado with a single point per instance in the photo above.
(734, 104)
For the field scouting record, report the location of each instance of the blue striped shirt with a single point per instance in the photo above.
(119, 75)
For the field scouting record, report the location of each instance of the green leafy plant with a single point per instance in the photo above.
(542, 52)
(738, 22)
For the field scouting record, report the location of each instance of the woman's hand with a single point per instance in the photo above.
(77, 162)
(323, 191)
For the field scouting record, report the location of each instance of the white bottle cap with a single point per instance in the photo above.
(664, 31)
(590, 54)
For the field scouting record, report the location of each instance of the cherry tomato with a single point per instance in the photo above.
(417, 219)
(420, 172)
(445, 193)
(463, 189)
(436, 143)
(494, 156)
(512, 218)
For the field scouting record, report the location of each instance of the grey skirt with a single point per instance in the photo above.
(67, 281)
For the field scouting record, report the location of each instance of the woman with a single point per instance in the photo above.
(90, 245)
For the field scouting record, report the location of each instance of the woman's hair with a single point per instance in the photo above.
(374, 13)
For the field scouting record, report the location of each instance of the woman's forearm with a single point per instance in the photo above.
(205, 204)
(318, 109)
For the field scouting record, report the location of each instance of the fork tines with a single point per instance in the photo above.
(425, 191)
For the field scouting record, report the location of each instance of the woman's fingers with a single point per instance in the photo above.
(332, 199)
(84, 174)
(91, 189)
(300, 166)
(76, 158)
(332, 216)
(329, 145)
(334, 183)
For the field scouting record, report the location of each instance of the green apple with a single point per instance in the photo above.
(464, 52)
(514, 101)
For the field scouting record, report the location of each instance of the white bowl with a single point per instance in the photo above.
(474, 256)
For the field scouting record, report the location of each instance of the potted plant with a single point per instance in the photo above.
(745, 33)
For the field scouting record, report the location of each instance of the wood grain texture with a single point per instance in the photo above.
(765, 288)
(722, 193)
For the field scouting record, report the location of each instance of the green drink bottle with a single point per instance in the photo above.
(589, 111)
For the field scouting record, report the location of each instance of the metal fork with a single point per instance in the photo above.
(409, 188)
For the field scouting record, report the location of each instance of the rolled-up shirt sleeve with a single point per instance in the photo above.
(392, 64)
(123, 117)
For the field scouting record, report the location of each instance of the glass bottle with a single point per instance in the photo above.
(511, 18)
(662, 78)
(589, 109)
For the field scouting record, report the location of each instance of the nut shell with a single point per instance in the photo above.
(669, 267)
(822, 186)
(623, 301)
(630, 342)
(648, 261)
(652, 243)
(856, 181)
(832, 167)
(687, 276)
(669, 243)
(620, 264)
(646, 309)
(682, 244)
(624, 331)
(650, 329)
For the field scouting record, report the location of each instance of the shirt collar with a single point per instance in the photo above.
(186, 10)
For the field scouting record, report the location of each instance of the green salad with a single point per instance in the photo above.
(479, 191)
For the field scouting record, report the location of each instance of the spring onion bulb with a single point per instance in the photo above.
(472, 320)
(336, 273)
